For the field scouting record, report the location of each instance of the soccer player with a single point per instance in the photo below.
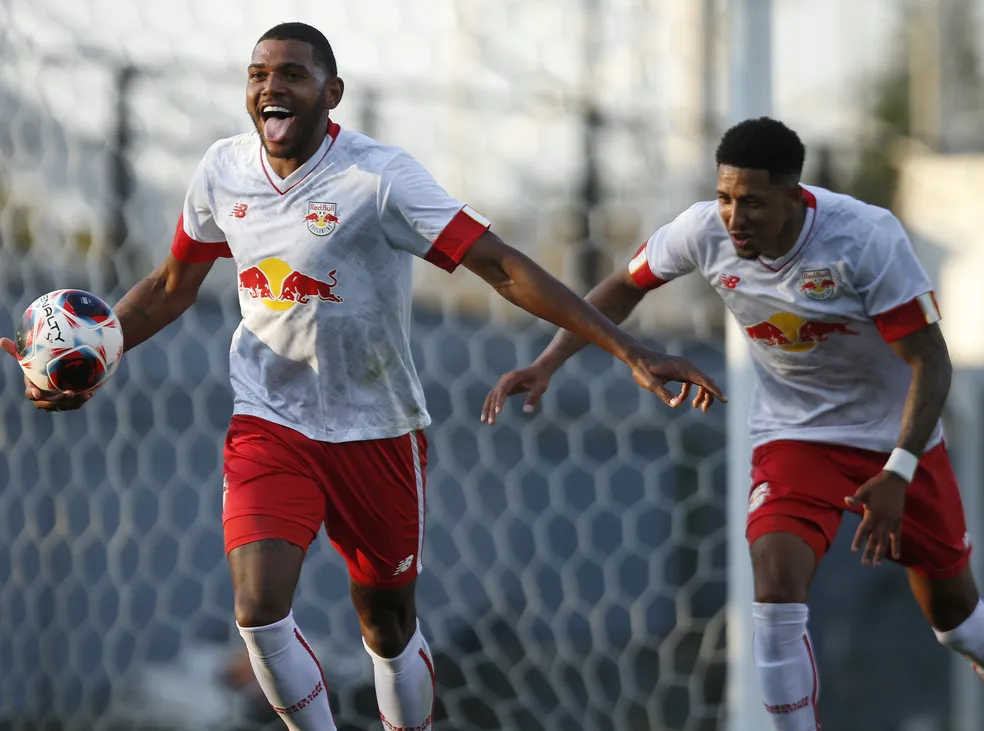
(852, 373)
(323, 224)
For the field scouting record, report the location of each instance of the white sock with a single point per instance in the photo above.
(405, 686)
(968, 638)
(289, 674)
(786, 666)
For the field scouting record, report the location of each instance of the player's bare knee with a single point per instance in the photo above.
(783, 566)
(264, 576)
(258, 610)
(947, 603)
(388, 617)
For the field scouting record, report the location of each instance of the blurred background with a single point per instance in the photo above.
(576, 559)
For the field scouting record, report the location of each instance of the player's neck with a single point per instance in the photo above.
(791, 233)
(284, 166)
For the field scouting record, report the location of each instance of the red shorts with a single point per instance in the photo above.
(369, 495)
(799, 487)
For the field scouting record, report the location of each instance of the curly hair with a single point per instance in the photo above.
(763, 144)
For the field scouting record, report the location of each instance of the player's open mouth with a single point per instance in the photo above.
(276, 122)
(741, 240)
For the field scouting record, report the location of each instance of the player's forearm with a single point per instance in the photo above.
(613, 299)
(925, 401)
(149, 307)
(527, 285)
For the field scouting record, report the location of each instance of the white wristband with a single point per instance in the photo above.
(902, 463)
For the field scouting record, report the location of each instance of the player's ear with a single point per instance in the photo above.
(795, 194)
(334, 89)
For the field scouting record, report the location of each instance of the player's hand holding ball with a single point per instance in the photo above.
(69, 343)
(883, 500)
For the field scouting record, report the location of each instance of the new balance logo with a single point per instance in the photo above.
(239, 210)
(403, 565)
(729, 281)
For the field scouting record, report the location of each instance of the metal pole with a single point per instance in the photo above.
(120, 182)
(590, 193)
(967, 693)
(750, 95)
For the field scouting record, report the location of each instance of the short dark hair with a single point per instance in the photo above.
(306, 34)
(763, 144)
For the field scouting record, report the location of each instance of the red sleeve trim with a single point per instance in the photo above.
(642, 273)
(457, 237)
(906, 319)
(184, 248)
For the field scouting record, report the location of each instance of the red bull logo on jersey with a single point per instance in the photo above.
(794, 333)
(278, 286)
(817, 284)
(321, 218)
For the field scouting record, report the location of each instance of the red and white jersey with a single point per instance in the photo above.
(325, 263)
(818, 321)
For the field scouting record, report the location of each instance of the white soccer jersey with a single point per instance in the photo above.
(325, 262)
(818, 321)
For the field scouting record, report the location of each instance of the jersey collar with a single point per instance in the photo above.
(284, 185)
(808, 223)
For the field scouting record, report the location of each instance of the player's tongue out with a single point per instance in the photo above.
(276, 128)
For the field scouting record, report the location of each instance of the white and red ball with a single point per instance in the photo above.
(69, 340)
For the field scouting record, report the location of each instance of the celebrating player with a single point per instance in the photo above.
(323, 224)
(852, 374)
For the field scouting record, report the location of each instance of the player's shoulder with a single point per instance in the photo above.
(845, 213)
(232, 151)
(852, 225)
(700, 218)
(371, 155)
(703, 216)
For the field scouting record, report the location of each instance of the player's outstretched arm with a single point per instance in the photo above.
(151, 305)
(521, 281)
(883, 497)
(159, 299)
(615, 297)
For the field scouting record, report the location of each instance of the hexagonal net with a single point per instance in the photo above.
(574, 559)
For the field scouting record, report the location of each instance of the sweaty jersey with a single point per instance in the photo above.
(325, 264)
(818, 320)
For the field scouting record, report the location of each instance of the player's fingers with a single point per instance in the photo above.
(896, 543)
(64, 401)
(869, 548)
(533, 397)
(878, 542)
(682, 396)
(487, 405)
(703, 399)
(497, 398)
(875, 548)
(861, 533)
(660, 390)
(858, 499)
(702, 379)
(881, 546)
(509, 387)
(7, 346)
(32, 392)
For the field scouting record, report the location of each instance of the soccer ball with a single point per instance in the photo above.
(69, 340)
